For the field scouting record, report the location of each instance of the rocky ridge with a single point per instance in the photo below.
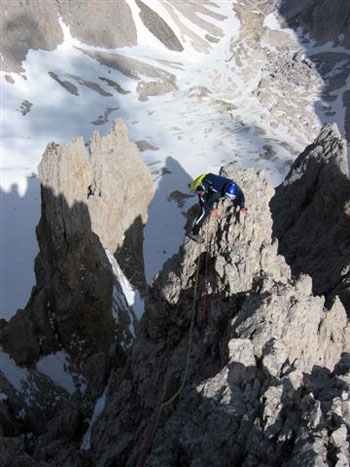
(256, 373)
(240, 360)
(311, 216)
(35, 25)
(288, 74)
(257, 359)
(284, 74)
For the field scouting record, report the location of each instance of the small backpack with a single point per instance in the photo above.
(193, 185)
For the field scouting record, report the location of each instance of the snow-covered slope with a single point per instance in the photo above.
(241, 89)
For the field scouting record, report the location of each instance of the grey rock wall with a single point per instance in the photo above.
(244, 363)
(89, 204)
(236, 361)
(114, 28)
(312, 216)
(90, 208)
(25, 26)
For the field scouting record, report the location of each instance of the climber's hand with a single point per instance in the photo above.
(214, 213)
(244, 212)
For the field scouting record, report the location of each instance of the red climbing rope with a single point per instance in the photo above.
(205, 295)
(157, 413)
(149, 436)
(158, 410)
(205, 285)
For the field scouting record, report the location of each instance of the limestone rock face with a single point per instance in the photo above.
(159, 27)
(297, 323)
(115, 26)
(118, 195)
(239, 249)
(18, 338)
(235, 360)
(121, 188)
(73, 294)
(311, 212)
(72, 265)
(244, 364)
(90, 209)
(89, 204)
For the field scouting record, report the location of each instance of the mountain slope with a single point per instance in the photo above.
(250, 365)
(245, 87)
(240, 367)
(234, 358)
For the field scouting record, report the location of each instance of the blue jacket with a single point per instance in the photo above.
(214, 188)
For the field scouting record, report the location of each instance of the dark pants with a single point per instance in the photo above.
(205, 210)
(206, 203)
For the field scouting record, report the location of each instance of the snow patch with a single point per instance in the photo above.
(271, 22)
(99, 406)
(57, 367)
(15, 375)
(133, 299)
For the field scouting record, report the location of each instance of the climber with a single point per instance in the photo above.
(210, 188)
